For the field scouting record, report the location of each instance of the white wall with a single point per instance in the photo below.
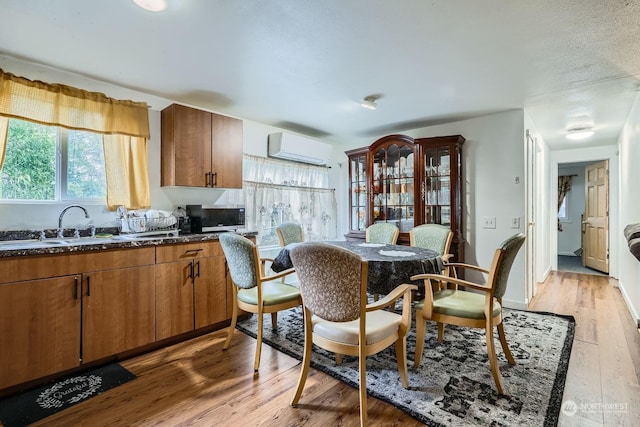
(629, 208)
(493, 158)
(28, 215)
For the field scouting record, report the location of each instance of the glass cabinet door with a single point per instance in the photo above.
(393, 186)
(436, 187)
(358, 191)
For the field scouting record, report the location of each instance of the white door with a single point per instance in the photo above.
(595, 224)
(530, 225)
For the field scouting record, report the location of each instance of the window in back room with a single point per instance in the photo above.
(48, 163)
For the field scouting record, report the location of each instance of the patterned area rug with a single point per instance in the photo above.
(453, 385)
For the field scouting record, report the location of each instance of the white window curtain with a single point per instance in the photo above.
(277, 191)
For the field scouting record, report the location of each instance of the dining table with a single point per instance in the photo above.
(389, 265)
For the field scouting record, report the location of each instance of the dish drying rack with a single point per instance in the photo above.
(133, 225)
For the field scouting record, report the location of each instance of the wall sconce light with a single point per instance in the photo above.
(369, 103)
(152, 5)
(577, 134)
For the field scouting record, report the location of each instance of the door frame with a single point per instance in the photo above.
(592, 154)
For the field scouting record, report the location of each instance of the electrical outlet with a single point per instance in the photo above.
(515, 222)
(489, 222)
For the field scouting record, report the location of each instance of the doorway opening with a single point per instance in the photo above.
(582, 217)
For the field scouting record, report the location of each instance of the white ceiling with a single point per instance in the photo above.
(305, 65)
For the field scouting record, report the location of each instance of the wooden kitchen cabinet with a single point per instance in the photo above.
(60, 311)
(39, 328)
(118, 311)
(200, 149)
(191, 287)
(407, 182)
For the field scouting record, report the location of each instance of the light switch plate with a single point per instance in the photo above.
(489, 222)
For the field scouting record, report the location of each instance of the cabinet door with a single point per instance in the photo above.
(359, 190)
(174, 298)
(185, 146)
(210, 291)
(39, 328)
(226, 141)
(393, 184)
(118, 311)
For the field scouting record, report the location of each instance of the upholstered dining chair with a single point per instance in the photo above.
(468, 308)
(382, 232)
(253, 291)
(333, 284)
(432, 236)
(289, 233)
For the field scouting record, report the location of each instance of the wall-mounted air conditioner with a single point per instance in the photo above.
(298, 148)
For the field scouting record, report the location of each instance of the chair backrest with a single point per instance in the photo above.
(242, 259)
(431, 236)
(333, 281)
(289, 233)
(382, 232)
(502, 262)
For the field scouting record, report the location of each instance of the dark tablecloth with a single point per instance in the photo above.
(385, 271)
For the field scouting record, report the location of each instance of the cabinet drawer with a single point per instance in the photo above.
(186, 251)
(40, 267)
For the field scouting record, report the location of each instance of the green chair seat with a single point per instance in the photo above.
(465, 304)
(273, 293)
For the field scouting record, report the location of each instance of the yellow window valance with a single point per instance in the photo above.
(69, 107)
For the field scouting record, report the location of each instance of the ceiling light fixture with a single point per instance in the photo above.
(152, 5)
(369, 102)
(577, 134)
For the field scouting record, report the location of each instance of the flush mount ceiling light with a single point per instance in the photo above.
(577, 134)
(152, 5)
(369, 103)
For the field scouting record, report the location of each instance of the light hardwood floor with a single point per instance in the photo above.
(196, 383)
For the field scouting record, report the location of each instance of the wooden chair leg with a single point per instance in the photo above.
(232, 327)
(338, 359)
(274, 320)
(362, 368)
(505, 346)
(401, 356)
(256, 365)
(421, 325)
(440, 332)
(493, 361)
(306, 358)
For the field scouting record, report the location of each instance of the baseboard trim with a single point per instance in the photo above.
(627, 301)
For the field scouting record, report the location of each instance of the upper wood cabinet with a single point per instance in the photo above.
(200, 149)
(407, 182)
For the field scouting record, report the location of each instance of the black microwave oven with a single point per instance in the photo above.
(207, 219)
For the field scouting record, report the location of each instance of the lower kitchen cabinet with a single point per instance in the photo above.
(39, 328)
(191, 287)
(60, 311)
(118, 311)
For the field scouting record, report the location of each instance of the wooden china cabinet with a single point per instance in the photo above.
(407, 182)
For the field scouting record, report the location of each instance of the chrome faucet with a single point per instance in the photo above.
(60, 229)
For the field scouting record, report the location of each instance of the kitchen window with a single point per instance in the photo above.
(49, 163)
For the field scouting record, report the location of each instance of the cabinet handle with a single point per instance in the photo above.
(214, 179)
(192, 252)
(75, 293)
(207, 179)
(198, 265)
(88, 286)
(190, 276)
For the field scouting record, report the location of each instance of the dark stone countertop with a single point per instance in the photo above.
(18, 247)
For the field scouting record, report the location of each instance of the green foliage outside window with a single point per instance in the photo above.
(29, 170)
